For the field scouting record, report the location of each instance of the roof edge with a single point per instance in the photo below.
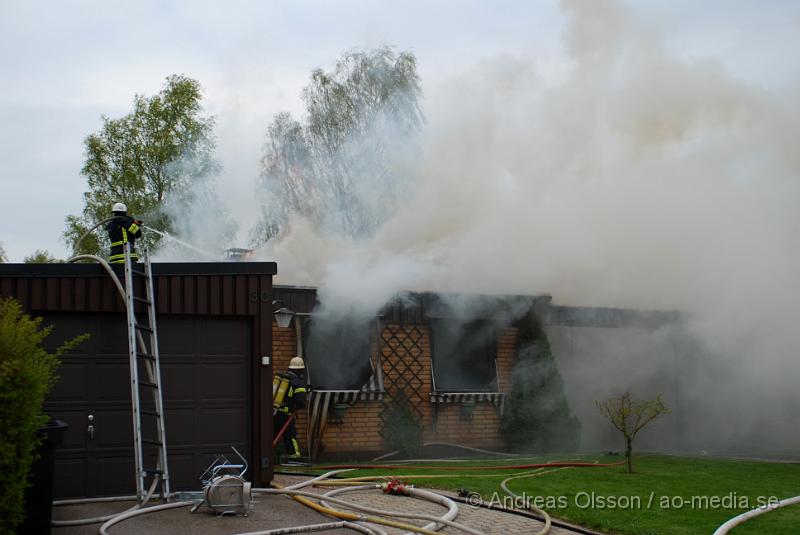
(159, 268)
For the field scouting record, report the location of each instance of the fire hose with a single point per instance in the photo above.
(352, 520)
(539, 471)
(452, 508)
(283, 430)
(372, 519)
(149, 495)
(348, 520)
(448, 444)
(740, 519)
(315, 527)
(471, 468)
(302, 497)
(164, 234)
(76, 246)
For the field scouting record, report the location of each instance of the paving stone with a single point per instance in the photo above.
(271, 512)
(491, 522)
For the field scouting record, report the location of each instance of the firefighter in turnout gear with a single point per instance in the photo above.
(121, 230)
(294, 399)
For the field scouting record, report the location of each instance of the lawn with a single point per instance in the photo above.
(666, 496)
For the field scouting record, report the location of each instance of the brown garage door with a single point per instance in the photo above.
(205, 372)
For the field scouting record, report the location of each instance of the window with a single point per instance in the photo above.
(464, 355)
(338, 352)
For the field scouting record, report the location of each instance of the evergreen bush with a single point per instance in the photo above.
(27, 372)
(537, 417)
(401, 428)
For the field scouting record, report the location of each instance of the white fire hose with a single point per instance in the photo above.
(742, 518)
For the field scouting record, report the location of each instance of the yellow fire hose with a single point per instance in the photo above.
(356, 517)
(354, 481)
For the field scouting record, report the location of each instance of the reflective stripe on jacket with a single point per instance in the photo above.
(295, 395)
(122, 230)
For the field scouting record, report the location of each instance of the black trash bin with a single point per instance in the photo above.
(39, 495)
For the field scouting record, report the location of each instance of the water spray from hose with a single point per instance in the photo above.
(167, 235)
(163, 234)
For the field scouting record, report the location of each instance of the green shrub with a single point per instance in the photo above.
(537, 417)
(401, 428)
(27, 372)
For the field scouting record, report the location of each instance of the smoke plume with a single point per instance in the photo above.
(635, 180)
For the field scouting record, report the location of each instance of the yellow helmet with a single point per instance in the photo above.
(297, 364)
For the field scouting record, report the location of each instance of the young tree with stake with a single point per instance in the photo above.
(630, 416)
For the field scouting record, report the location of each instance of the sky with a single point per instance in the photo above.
(65, 64)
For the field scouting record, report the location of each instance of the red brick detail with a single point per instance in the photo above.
(506, 352)
(283, 346)
(482, 430)
(358, 430)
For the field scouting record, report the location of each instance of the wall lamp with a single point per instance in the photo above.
(283, 316)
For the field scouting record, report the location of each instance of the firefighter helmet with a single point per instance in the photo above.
(119, 207)
(297, 364)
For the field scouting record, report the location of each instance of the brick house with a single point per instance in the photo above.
(407, 354)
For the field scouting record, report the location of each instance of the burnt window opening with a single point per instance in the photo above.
(339, 353)
(463, 355)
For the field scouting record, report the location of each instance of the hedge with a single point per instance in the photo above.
(27, 372)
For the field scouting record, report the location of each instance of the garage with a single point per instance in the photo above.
(206, 397)
(215, 328)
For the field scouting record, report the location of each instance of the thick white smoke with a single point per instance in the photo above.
(638, 181)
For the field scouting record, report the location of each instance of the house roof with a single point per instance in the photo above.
(418, 307)
(159, 268)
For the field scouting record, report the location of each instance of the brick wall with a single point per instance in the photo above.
(407, 364)
(506, 349)
(358, 431)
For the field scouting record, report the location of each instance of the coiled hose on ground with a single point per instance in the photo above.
(452, 508)
(539, 470)
(355, 520)
(347, 520)
(371, 518)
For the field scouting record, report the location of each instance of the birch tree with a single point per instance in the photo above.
(160, 152)
(340, 166)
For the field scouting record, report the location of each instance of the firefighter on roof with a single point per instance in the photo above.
(121, 230)
(294, 398)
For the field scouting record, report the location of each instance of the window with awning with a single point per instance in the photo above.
(464, 355)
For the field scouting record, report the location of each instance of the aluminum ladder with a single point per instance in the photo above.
(143, 356)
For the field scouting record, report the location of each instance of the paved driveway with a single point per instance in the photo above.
(277, 511)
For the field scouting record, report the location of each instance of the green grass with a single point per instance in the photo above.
(639, 503)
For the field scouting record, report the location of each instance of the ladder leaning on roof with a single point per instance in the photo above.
(144, 356)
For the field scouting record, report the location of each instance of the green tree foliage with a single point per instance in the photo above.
(400, 426)
(3, 257)
(41, 256)
(537, 416)
(155, 159)
(27, 372)
(342, 167)
(629, 416)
